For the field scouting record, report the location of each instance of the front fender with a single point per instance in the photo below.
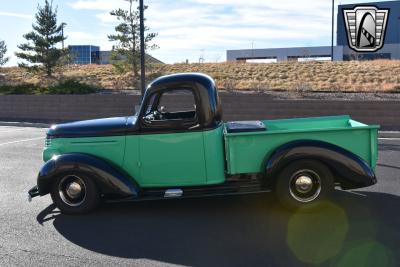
(349, 169)
(108, 178)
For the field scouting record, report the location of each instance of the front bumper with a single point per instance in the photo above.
(34, 192)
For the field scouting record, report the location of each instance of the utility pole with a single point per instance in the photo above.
(333, 27)
(252, 50)
(201, 58)
(142, 50)
(62, 33)
(399, 40)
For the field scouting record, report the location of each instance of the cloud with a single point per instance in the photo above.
(97, 4)
(85, 38)
(106, 18)
(78, 35)
(16, 15)
(186, 27)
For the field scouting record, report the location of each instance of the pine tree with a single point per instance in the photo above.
(41, 46)
(127, 51)
(3, 51)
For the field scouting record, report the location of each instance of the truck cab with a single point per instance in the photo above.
(177, 145)
(180, 126)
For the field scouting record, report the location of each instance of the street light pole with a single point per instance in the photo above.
(399, 38)
(142, 50)
(62, 33)
(333, 27)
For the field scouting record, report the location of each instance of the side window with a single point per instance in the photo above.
(150, 104)
(178, 104)
(172, 109)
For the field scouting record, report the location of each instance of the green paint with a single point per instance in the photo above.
(246, 151)
(172, 159)
(198, 158)
(179, 159)
(131, 162)
(184, 159)
(215, 156)
(110, 148)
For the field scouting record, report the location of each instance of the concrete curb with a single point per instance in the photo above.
(390, 134)
(382, 134)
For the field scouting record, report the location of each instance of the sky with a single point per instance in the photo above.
(187, 29)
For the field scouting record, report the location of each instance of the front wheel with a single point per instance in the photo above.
(75, 194)
(304, 184)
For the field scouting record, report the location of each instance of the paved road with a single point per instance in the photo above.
(355, 229)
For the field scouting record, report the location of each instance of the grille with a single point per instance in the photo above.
(47, 142)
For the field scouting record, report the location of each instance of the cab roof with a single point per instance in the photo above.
(203, 87)
(173, 80)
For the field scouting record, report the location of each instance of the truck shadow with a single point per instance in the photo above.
(355, 229)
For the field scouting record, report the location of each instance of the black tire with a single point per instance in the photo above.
(82, 203)
(293, 189)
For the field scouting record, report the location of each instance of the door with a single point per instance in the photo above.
(171, 146)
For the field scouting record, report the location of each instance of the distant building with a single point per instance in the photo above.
(105, 58)
(342, 51)
(85, 54)
(285, 54)
(91, 54)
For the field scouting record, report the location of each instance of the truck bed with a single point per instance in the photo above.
(247, 150)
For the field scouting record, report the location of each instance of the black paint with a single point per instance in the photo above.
(349, 170)
(109, 178)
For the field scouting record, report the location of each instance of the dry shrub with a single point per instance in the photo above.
(353, 76)
(229, 85)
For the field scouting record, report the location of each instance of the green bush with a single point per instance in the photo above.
(70, 86)
(23, 89)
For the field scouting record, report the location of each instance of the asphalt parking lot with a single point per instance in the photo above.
(360, 228)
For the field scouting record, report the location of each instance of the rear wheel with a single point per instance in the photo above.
(304, 184)
(75, 194)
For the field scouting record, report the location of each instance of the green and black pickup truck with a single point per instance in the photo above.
(179, 151)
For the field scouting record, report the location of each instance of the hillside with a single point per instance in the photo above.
(367, 76)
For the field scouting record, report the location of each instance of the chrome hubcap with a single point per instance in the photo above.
(305, 186)
(72, 190)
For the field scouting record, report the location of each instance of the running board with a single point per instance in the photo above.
(225, 189)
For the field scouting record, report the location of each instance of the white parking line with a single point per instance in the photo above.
(13, 130)
(21, 141)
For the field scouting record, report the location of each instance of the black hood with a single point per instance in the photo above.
(92, 128)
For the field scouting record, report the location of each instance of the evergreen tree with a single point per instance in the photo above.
(127, 50)
(3, 51)
(41, 46)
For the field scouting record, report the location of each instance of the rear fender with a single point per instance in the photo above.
(108, 178)
(349, 169)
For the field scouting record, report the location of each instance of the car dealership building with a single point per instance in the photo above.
(91, 54)
(342, 50)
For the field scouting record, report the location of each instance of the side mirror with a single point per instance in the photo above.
(147, 119)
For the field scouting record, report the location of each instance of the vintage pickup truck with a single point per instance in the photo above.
(164, 152)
